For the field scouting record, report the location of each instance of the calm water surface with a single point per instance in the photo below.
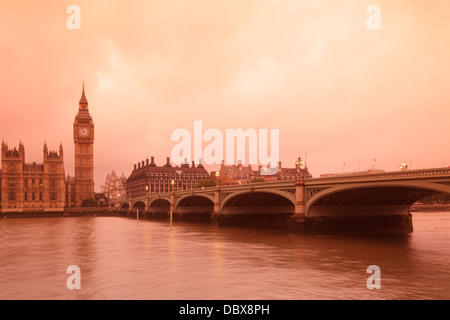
(120, 258)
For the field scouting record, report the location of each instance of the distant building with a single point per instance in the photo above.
(232, 174)
(239, 174)
(355, 173)
(114, 187)
(148, 178)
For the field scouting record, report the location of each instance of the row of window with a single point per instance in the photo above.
(168, 181)
(175, 176)
(138, 190)
(12, 183)
(32, 207)
(31, 196)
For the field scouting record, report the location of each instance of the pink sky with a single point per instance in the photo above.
(312, 69)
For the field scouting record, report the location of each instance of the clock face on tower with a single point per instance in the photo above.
(84, 132)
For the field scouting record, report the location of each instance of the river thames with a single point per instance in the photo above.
(121, 258)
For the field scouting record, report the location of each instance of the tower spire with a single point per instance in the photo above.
(83, 99)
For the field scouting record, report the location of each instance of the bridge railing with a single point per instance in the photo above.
(420, 174)
(236, 187)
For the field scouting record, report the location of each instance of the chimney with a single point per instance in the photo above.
(279, 164)
(146, 161)
(168, 163)
(134, 167)
(139, 164)
(193, 164)
(142, 163)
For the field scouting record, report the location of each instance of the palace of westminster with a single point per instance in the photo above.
(34, 187)
(44, 187)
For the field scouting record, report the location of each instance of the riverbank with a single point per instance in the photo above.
(68, 212)
(113, 212)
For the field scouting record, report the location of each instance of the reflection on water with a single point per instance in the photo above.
(121, 258)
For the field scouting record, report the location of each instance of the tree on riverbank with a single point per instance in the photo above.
(89, 202)
(206, 183)
(99, 199)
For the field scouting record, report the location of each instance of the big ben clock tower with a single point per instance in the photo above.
(83, 137)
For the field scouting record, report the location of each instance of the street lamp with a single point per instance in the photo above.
(403, 166)
(172, 183)
(298, 165)
(217, 177)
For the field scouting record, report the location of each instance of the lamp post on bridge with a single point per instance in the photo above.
(217, 177)
(146, 198)
(172, 202)
(299, 214)
(403, 166)
(298, 165)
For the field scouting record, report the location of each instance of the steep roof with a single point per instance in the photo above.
(167, 169)
(83, 99)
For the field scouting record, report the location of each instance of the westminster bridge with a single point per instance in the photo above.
(342, 203)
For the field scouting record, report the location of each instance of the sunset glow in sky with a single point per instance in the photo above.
(311, 68)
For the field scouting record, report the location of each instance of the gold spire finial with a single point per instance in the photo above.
(83, 99)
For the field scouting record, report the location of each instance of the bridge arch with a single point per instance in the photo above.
(195, 199)
(273, 201)
(197, 207)
(159, 202)
(159, 208)
(262, 208)
(138, 205)
(260, 198)
(373, 198)
(124, 207)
